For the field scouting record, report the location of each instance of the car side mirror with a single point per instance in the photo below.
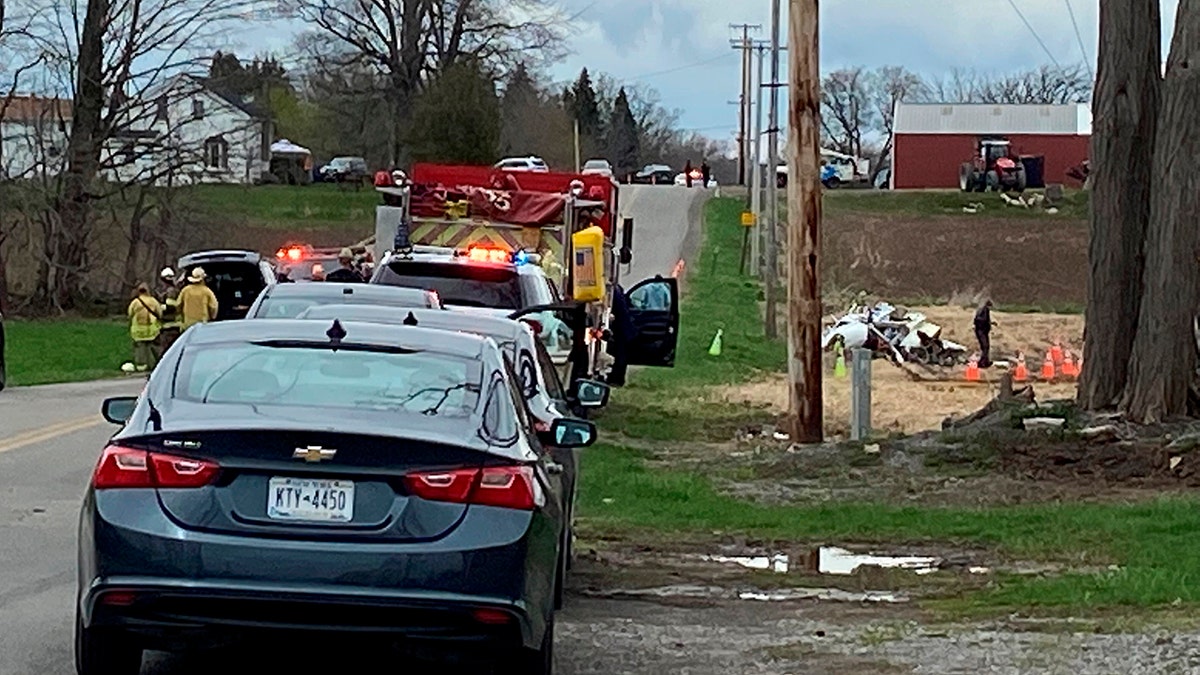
(627, 241)
(568, 432)
(591, 394)
(119, 409)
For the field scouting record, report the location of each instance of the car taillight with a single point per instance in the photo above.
(512, 487)
(128, 468)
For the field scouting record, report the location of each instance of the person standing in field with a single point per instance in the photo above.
(197, 302)
(705, 172)
(983, 333)
(145, 313)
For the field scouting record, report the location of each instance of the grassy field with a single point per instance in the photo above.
(65, 350)
(944, 202)
(310, 207)
(633, 493)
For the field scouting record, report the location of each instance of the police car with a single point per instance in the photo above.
(489, 281)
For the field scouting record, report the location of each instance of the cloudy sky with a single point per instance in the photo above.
(682, 47)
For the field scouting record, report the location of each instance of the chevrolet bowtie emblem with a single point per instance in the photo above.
(313, 453)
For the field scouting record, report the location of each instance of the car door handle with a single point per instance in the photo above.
(554, 469)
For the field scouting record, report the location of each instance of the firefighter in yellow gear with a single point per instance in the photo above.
(197, 302)
(170, 310)
(145, 312)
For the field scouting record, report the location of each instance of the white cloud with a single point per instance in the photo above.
(639, 39)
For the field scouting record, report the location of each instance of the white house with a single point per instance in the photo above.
(180, 133)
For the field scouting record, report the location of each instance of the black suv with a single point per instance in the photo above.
(345, 170)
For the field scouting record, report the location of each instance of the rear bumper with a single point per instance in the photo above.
(141, 571)
(180, 615)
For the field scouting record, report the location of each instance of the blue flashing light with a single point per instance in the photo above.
(520, 257)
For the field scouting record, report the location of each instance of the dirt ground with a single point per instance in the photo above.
(899, 404)
(1018, 261)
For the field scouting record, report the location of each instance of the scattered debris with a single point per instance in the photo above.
(896, 333)
(834, 560)
(1101, 434)
(720, 593)
(1044, 423)
(871, 449)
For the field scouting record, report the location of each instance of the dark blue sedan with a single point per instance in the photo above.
(292, 478)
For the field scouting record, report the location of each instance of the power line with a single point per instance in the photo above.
(1035, 34)
(676, 69)
(1082, 50)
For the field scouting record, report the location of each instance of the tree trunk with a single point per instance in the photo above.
(1164, 352)
(1125, 109)
(83, 157)
(136, 239)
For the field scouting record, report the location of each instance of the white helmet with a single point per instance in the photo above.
(167, 273)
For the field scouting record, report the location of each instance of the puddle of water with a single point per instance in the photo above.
(775, 563)
(780, 595)
(830, 594)
(834, 560)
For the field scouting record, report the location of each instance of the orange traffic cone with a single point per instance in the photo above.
(1020, 371)
(1056, 354)
(973, 369)
(1069, 369)
(1048, 368)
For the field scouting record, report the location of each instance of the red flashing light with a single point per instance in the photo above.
(494, 255)
(129, 468)
(293, 253)
(535, 325)
(504, 486)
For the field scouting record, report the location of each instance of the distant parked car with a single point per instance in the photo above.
(697, 179)
(656, 174)
(599, 167)
(345, 170)
(522, 164)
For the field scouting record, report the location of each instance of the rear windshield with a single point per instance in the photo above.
(458, 284)
(417, 382)
(236, 285)
(292, 306)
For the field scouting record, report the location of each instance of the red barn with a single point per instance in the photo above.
(932, 140)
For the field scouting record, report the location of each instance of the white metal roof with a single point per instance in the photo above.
(989, 118)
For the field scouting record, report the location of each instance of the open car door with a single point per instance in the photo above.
(654, 313)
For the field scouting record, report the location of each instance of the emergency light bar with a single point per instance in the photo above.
(499, 255)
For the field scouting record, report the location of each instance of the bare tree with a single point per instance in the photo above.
(1125, 111)
(1163, 361)
(847, 113)
(886, 87)
(1043, 85)
(406, 41)
(114, 53)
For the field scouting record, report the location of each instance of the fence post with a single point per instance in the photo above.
(860, 394)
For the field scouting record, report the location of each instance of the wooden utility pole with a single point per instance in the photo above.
(744, 45)
(756, 173)
(771, 262)
(804, 223)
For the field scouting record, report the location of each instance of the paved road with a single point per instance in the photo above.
(50, 437)
(666, 226)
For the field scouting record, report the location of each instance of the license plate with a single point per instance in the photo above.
(313, 500)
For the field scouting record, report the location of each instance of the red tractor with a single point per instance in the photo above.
(995, 167)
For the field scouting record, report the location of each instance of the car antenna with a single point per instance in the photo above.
(335, 334)
(410, 320)
(155, 416)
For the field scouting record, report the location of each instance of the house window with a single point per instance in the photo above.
(266, 142)
(197, 109)
(216, 153)
(160, 113)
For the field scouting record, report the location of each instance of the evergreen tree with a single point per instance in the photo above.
(622, 138)
(457, 118)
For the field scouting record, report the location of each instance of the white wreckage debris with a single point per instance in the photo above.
(896, 333)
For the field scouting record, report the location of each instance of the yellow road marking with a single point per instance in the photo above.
(47, 433)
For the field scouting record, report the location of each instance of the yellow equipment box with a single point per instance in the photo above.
(588, 264)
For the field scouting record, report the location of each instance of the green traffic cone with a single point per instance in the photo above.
(715, 348)
(839, 367)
